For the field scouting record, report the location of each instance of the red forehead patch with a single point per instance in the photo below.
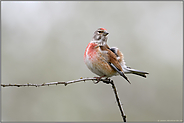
(102, 28)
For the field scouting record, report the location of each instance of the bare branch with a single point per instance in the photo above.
(117, 99)
(54, 83)
(119, 102)
(107, 81)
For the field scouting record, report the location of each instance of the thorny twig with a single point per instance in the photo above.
(107, 81)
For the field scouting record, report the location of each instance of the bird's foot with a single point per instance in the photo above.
(98, 79)
(107, 80)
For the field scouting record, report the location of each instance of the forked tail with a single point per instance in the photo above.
(133, 71)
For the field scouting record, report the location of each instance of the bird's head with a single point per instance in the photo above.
(100, 36)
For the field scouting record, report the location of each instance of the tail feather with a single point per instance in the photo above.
(133, 71)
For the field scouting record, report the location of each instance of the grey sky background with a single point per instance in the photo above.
(45, 41)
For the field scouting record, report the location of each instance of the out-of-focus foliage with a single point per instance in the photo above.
(45, 41)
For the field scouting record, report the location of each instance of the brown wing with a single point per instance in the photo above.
(111, 57)
(112, 61)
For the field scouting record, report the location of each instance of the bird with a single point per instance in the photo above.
(105, 61)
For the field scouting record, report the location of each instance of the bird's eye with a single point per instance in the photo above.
(100, 31)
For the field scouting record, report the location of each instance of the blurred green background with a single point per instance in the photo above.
(45, 41)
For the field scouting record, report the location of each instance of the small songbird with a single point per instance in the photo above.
(105, 61)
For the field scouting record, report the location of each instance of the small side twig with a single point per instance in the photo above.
(107, 81)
